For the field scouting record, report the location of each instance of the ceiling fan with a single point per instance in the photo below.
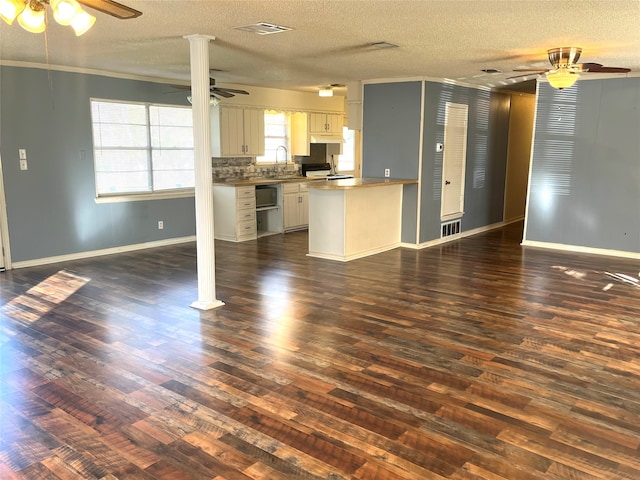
(216, 93)
(31, 14)
(112, 8)
(565, 70)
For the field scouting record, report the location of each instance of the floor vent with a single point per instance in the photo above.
(450, 228)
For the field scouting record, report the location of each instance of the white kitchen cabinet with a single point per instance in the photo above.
(295, 200)
(237, 131)
(300, 133)
(326, 123)
(234, 213)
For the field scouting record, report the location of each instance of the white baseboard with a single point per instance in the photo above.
(105, 251)
(353, 256)
(458, 236)
(581, 249)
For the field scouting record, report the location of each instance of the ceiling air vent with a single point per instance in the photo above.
(263, 28)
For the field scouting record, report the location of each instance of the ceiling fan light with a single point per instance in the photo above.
(213, 101)
(64, 11)
(32, 20)
(562, 78)
(325, 92)
(82, 22)
(10, 9)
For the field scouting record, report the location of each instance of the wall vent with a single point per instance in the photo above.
(450, 228)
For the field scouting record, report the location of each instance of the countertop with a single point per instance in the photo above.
(348, 183)
(250, 182)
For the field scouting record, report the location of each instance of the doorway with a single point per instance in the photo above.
(521, 117)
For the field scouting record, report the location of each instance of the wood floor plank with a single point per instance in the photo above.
(476, 359)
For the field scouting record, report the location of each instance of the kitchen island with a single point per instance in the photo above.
(237, 216)
(355, 217)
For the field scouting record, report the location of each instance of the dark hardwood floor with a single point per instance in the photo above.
(479, 359)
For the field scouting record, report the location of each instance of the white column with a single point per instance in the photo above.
(199, 48)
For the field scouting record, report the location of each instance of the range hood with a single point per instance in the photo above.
(326, 139)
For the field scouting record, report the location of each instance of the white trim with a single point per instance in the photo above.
(206, 305)
(529, 174)
(145, 196)
(581, 249)
(458, 236)
(420, 158)
(104, 251)
(354, 256)
(4, 225)
(426, 79)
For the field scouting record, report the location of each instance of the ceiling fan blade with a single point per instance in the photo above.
(534, 72)
(589, 67)
(540, 70)
(233, 90)
(112, 8)
(601, 69)
(221, 93)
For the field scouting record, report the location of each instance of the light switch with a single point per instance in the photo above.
(23, 153)
(23, 165)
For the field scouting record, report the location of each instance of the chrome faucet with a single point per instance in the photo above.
(286, 153)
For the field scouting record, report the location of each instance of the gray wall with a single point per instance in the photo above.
(585, 172)
(50, 207)
(391, 139)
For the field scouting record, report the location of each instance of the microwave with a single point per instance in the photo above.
(266, 196)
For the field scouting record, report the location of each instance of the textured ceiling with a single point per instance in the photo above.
(329, 43)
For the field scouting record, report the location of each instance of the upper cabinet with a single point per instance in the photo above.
(325, 123)
(300, 133)
(237, 132)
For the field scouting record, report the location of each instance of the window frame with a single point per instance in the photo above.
(151, 194)
(287, 137)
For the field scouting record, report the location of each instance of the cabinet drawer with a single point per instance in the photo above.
(246, 215)
(246, 228)
(246, 203)
(290, 187)
(304, 187)
(245, 192)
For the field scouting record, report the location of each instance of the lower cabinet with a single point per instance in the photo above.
(295, 200)
(234, 213)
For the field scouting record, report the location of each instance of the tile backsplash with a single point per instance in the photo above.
(241, 168)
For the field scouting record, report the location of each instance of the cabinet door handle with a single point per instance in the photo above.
(447, 182)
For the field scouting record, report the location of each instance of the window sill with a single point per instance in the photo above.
(141, 197)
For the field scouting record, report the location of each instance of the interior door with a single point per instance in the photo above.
(454, 160)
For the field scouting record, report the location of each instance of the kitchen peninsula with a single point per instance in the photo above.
(355, 217)
(239, 217)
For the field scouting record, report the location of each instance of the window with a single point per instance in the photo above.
(276, 134)
(141, 148)
(347, 160)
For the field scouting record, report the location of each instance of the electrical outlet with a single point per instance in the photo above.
(23, 165)
(22, 152)
(160, 224)
(387, 172)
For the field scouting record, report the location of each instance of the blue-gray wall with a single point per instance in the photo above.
(51, 207)
(585, 172)
(391, 139)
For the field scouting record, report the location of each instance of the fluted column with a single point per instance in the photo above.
(199, 51)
